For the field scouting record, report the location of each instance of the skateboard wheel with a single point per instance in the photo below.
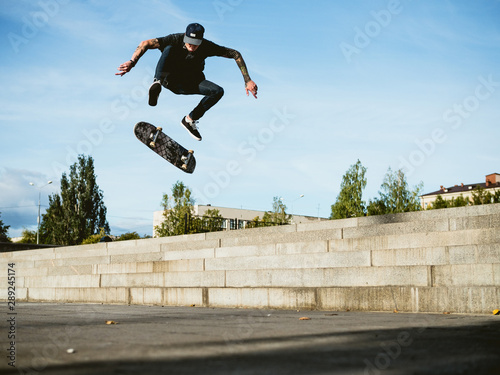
(191, 151)
(152, 144)
(184, 166)
(159, 129)
(183, 158)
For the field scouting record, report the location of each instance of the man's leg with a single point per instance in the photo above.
(212, 94)
(161, 75)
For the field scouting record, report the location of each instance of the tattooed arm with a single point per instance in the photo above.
(250, 85)
(140, 50)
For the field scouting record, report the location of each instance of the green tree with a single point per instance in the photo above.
(94, 238)
(211, 221)
(28, 236)
(129, 236)
(54, 226)
(278, 215)
(496, 197)
(482, 196)
(479, 196)
(175, 215)
(255, 223)
(395, 195)
(439, 203)
(459, 201)
(79, 211)
(376, 207)
(349, 202)
(4, 229)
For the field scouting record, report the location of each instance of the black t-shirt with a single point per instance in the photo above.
(183, 64)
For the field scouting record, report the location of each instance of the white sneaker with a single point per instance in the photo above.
(191, 128)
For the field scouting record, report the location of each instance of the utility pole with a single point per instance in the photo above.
(38, 217)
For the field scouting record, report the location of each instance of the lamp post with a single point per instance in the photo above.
(300, 196)
(38, 217)
(293, 200)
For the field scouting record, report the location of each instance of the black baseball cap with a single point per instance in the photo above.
(194, 34)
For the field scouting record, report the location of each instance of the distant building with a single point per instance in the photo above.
(492, 184)
(235, 218)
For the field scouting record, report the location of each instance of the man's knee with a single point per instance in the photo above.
(219, 92)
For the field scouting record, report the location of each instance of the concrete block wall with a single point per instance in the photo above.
(428, 261)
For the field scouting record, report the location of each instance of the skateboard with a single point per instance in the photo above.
(166, 147)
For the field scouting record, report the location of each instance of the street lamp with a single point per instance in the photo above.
(300, 196)
(291, 202)
(38, 218)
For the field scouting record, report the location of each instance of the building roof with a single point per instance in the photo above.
(462, 188)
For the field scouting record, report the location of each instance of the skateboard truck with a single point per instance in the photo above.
(154, 137)
(186, 159)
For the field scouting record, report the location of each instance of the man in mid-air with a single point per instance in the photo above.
(180, 69)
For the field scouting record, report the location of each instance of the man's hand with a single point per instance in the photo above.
(250, 87)
(139, 51)
(125, 68)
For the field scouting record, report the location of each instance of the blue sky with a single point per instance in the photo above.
(400, 84)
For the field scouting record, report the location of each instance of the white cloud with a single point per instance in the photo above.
(19, 200)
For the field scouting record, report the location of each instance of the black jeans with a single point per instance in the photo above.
(165, 72)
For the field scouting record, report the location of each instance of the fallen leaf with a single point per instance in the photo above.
(447, 313)
(304, 318)
(110, 322)
(395, 311)
(496, 312)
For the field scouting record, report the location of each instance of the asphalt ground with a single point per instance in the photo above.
(76, 339)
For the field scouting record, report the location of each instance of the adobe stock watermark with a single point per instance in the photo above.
(62, 339)
(235, 336)
(35, 21)
(39, 359)
(223, 6)
(121, 109)
(455, 118)
(248, 151)
(390, 351)
(372, 29)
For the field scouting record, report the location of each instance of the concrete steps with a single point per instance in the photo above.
(423, 261)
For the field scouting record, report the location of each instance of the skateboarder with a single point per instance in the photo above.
(180, 69)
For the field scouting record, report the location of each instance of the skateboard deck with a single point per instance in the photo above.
(166, 147)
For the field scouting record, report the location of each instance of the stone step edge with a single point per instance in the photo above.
(196, 238)
(447, 275)
(470, 253)
(400, 258)
(462, 300)
(477, 237)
